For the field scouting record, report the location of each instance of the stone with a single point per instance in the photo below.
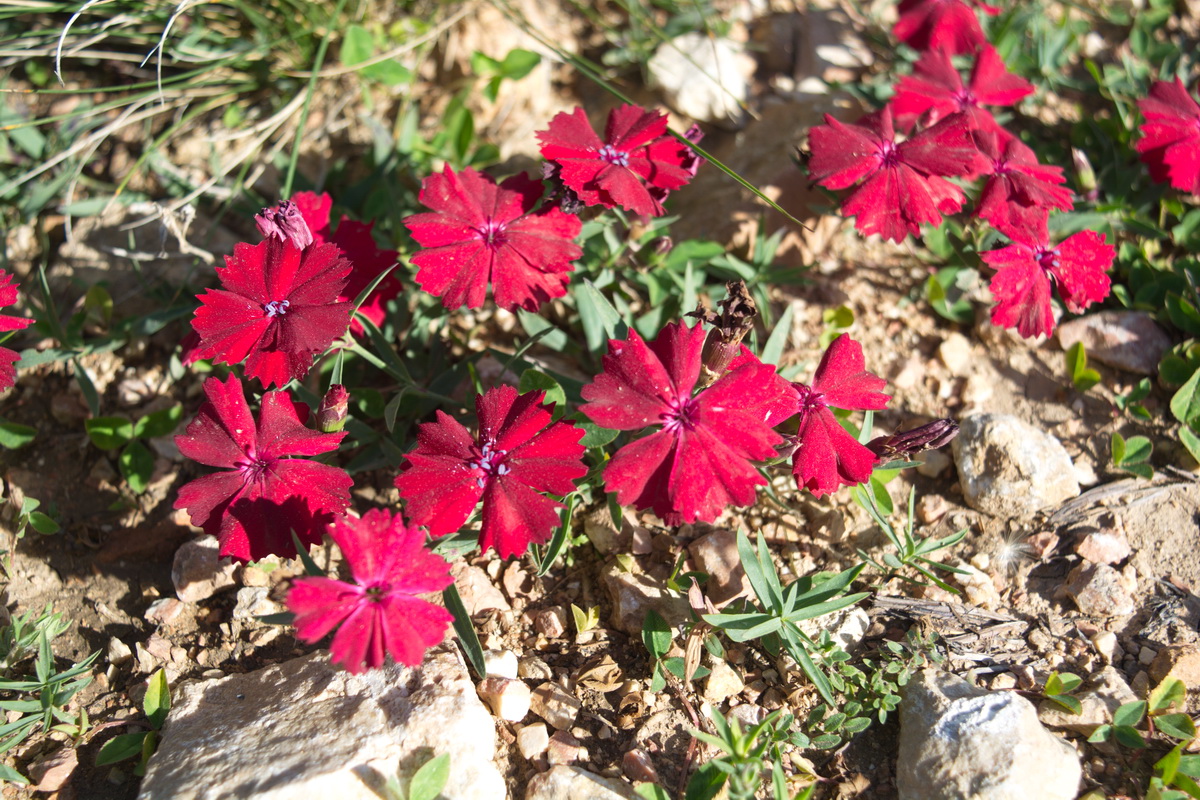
(500, 664)
(254, 602)
(562, 782)
(532, 740)
(1099, 590)
(534, 669)
(716, 555)
(722, 683)
(551, 622)
(198, 571)
(117, 652)
(703, 77)
(931, 508)
(476, 589)
(933, 463)
(554, 704)
(1127, 340)
(633, 594)
(962, 743)
(165, 611)
(563, 748)
(598, 527)
(847, 627)
(1177, 661)
(52, 773)
(305, 729)
(1104, 547)
(1106, 646)
(955, 353)
(1106, 692)
(638, 766)
(1010, 469)
(508, 699)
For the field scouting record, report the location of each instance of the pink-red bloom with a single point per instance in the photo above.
(518, 454)
(262, 495)
(896, 186)
(8, 296)
(358, 245)
(381, 612)
(634, 157)
(827, 456)
(699, 458)
(277, 309)
(935, 90)
(1018, 190)
(941, 24)
(1026, 269)
(481, 232)
(1170, 143)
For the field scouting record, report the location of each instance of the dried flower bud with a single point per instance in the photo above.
(285, 222)
(1085, 174)
(730, 326)
(907, 444)
(331, 416)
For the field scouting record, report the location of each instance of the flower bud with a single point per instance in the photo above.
(1085, 174)
(285, 222)
(729, 327)
(335, 407)
(907, 444)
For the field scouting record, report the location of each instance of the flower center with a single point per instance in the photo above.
(681, 416)
(614, 156)
(492, 233)
(491, 462)
(964, 99)
(1047, 258)
(254, 469)
(810, 399)
(888, 155)
(277, 308)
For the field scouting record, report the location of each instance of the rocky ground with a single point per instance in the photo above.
(1067, 564)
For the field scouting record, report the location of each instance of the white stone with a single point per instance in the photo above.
(955, 353)
(500, 664)
(532, 740)
(722, 683)
(573, 783)
(306, 729)
(933, 463)
(703, 77)
(554, 704)
(117, 651)
(508, 699)
(198, 571)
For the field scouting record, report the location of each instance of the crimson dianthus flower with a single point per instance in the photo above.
(8, 296)
(278, 309)
(1018, 189)
(634, 157)
(699, 459)
(1027, 267)
(518, 454)
(367, 258)
(263, 495)
(481, 232)
(936, 90)
(381, 613)
(897, 186)
(827, 456)
(1170, 143)
(941, 24)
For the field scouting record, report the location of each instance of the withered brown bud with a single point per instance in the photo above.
(907, 444)
(729, 327)
(285, 222)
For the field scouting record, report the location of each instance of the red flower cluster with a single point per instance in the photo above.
(518, 455)
(949, 25)
(1170, 143)
(381, 613)
(8, 297)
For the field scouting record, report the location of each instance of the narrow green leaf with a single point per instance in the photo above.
(598, 317)
(1185, 404)
(428, 781)
(772, 351)
(467, 638)
(1191, 441)
(14, 436)
(1180, 726)
(559, 540)
(705, 782)
(594, 435)
(656, 634)
(1118, 448)
(10, 775)
(157, 703)
(87, 387)
(136, 464)
(119, 748)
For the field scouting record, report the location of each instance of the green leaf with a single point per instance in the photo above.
(1185, 405)
(160, 423)
(1077, 368)
(705, 782)
(1142, 470)
(87, 387)
(358, 45)
(467, 638)
(10, 775)
(1129, 736)
(119, 748)
(519, 63)
(1179, 726)
(157, 703)
(1130, 713)
(594, 435)
(1071, 704)
(656, 634)
(536, 380)
(42, 523)
(109, 433)
(559, 540)
(1061, 683)
(14, 436)
(1102, 734)
(1118, 449)
(598, 317)
(773, 350)
(1137, 449)
(1191, 441)
(428, 781)
(1171, 692)
(651, 791)
(136, 464)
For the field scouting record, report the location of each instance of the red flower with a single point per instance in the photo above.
(1026, 268)
(8, 296)
(278, 309)
(1170, 143)
(634, 157)
(1018, 190)
(381, 612)
(262, 496)
(480, 232)
(827, 456)
(936, 90)
(518, 454)
(898, 187)
(698, 461)
(941, 24)
(358, 245)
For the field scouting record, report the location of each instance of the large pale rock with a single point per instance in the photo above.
(305, 729)
(962, 743)
(1011, 469)
(560, 783)
(1128, 340)
(703, 77)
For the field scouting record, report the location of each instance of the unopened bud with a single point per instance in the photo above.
(285, 222)
(335, 406)
(907, 444)
(1084, 173)
(729, 327)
